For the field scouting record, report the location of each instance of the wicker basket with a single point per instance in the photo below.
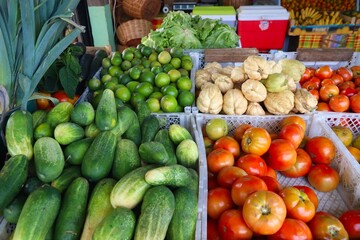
(130, 33)
(142, 9)
(237, 3)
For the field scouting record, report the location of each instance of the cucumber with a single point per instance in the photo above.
(66, 133)
(134, 132)
(157, 211)
(91, 131)
(162, 136)
(43, 130)
(120, 222)
(173, 175)
(48, 158)
(39, 116)
(98, 159)
(12, 177)
(126, 158)
(83, 114)
(183, 222)
(194, 185)
(19, 134)
(178, 133)
(31, 184)
(106, 113)
(149, 128)
(12, 211)
(59, 114)
(130, 190)
(71, 217)
(187, 153)
(125, 118)
(75, 151)
(38, 214)
(153, 152)
(68, 175)
(142, 111)
(99, 206)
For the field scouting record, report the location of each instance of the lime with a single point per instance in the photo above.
(132, 85)
(140, 46)
(124, 78)
(116, 53)
(176, 52)
(136, 61)
(116, 60)
(155, 64)
(157, 69)
(134, 73)
(43, 130)
(157, 95)
(96, 98)
(168, 103)
(170, 90)
(144, 88)
(94, 84)
(123, 93)
(179, 108)
(125, 65)
(164, 57)
(106, 62)
(106, 78)
(153, 57)
(137, 54)
(176, 62)
(136, 97)
(112, 85)
(115, 71)
(186, 57)
(104, 71)
(146, 50)
(162, 79)
(184, 84)
(146, 63)
(186, 98)
(167, 67)
(187, 65)
(184, 72)
(154, 104)
(128, 55)
(147, 76)
(159, 49)
(174, 75)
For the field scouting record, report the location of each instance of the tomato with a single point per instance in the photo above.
(63, 97)
(337, 78)
(239, 131)
(327, 81)
(232, 225)
(294, 133)
(271, 172)
(292, 229)
(357, 82)
(212, 181)
(324, 72)
(293, 119)
(212, 229)
(244, 186)
(354, 152)
(255, 140)
(326, 226)
(219, 158)
(43, 103)
(310, 86)
(345, 85)
(345, 72)
(355, 70)
(309, 72)
(323, 177)
(351, 221)
(327, 91)
(264, 212)
(321, 149)
(219, 200)
(272, 184)
(227, 176)
(228, 143)
(310, 193)
(281, 155)
(208, 144)
(355, 103)
(323, 106)
(252, 164)
(298, 204)
(216, 128)
(317, 81)
(301, 167)
(339, 103)
(348, 92)
(315, 93)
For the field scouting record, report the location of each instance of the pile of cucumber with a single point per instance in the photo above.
(110, 172)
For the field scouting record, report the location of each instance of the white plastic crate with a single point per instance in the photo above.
(335, 202)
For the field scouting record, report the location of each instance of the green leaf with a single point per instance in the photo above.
(69, 80)
(73, 63)
(25, 85)
(5, 67)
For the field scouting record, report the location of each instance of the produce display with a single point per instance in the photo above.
(311, 16)
(256, 87)
(323, 5)
(95, 172)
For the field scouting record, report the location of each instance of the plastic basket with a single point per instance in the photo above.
(334, 202)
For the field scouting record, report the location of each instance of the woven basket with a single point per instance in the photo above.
(130, 33)
(237, 3)
(143, 9)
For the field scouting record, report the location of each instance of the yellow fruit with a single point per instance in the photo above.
(344, 134)
(164, 57)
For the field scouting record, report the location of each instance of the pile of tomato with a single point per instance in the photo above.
(43, 102)
(337, 90)
(245, 198)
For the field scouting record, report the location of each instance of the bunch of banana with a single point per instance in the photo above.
(332, 18)
(308, 16)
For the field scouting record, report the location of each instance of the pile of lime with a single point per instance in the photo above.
(158, 76)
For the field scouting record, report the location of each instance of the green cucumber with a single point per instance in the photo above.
(99, 157)
(43, 130)
(12, 177)
(157, 210)
(71, 217)
(91, 131)
(39, 116)
(125, 118)
(59, 114)
(126, 158)
(194, 185)
(130, 189)
(68, 175)
(106, 113)
(38, 214)
(120, 222)
(83, 114)
(49, 159)
(19, 134)
(12, 211)
(66, 133)
(134, 132)
(99, 206)
(187, 153)
(178, 133)
(149, 128)
(142, 111)
(162, 136)
(153, 152)
(31, 184)
(173, 175)
(75, 151)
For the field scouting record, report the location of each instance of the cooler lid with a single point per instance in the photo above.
(214, 10)
(262, 12)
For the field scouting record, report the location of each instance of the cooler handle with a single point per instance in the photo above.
(264, 23)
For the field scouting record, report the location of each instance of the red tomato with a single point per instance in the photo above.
(239, 131)
(256, 140)
(345, 72)
(252, 164)
(212, 229)
(272, 184)
(219, 200)
(355, 103)
(345, 85)
(326, 226)
(310, 193)
(317, 82)
(298, 204)
(292, 229)
(327, 91)
(327, 81)
(357, 82)
(321, 149)
(219, 158)
(232, 225)
(43, 103)
(227, 176)
(315, 93)
(323, 177)
(323, 106)
(293, 119)
(228, 143)
(301, 167)
(212, 181)
(63, 97)
(294, 133)
(324, 72)
(339, 103)
(244, 186)
(308, 85)
(337, 78)
(271, 172)
(348, 92)
(355, 70)
(351, 221)
(281, 155)
(309, 72)
(264, 212)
